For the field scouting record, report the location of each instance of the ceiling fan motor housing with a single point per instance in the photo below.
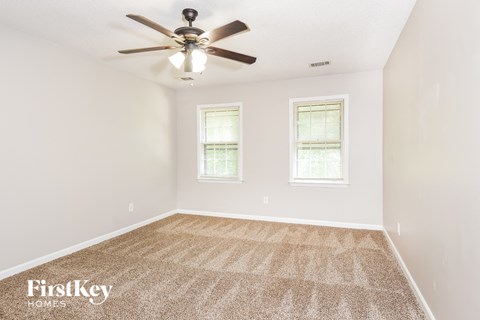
(184, 31)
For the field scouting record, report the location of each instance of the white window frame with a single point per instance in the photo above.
(292, 118)
(217, 106)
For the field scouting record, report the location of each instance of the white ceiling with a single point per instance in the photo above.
(285, 35)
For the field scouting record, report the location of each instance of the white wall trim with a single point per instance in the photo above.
(412, 282)
(55, 255)
(283, 220)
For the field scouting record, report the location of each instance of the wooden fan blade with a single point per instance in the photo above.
(230, 55)
(153, 25)
(146, 49)
(224, 31)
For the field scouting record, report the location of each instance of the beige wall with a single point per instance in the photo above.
(78, 142)
(431, 153)
(266, 151)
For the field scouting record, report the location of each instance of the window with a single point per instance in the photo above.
(219, 142)
(318, 150)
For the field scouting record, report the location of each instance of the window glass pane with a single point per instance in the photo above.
(317, 169)
(303, 154)
(333, 161)
(318, 125)
(220, 153)
(332, 132)
(333, 170)
(303, 168)
(209, 159)
(317, 153)
(220, 167)
(209, 152)
(232, 160)
(333, 125)
(232, 153)
(212, 126)
(232, 124)
(333, 116)
(232, 168)
(209, 169)
(303, 124)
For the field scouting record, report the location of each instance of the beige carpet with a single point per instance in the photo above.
(194, 267)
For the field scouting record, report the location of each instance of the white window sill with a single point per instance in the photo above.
(220, 180)
(322, 184)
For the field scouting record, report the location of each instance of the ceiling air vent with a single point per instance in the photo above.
(187, 79)
(319, 64)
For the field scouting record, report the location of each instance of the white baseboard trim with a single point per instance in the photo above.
(283, 220)
(410, 279)
(52, 256)
(55, 255)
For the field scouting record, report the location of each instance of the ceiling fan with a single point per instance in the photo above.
(194, 43)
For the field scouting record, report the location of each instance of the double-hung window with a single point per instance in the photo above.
(219, 142)
(318, 144)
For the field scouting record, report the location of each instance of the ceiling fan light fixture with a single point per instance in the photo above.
(192, 60)
(194, 43)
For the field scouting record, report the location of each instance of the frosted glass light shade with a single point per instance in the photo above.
(199, 57)
(192, 61)
(177, 59)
